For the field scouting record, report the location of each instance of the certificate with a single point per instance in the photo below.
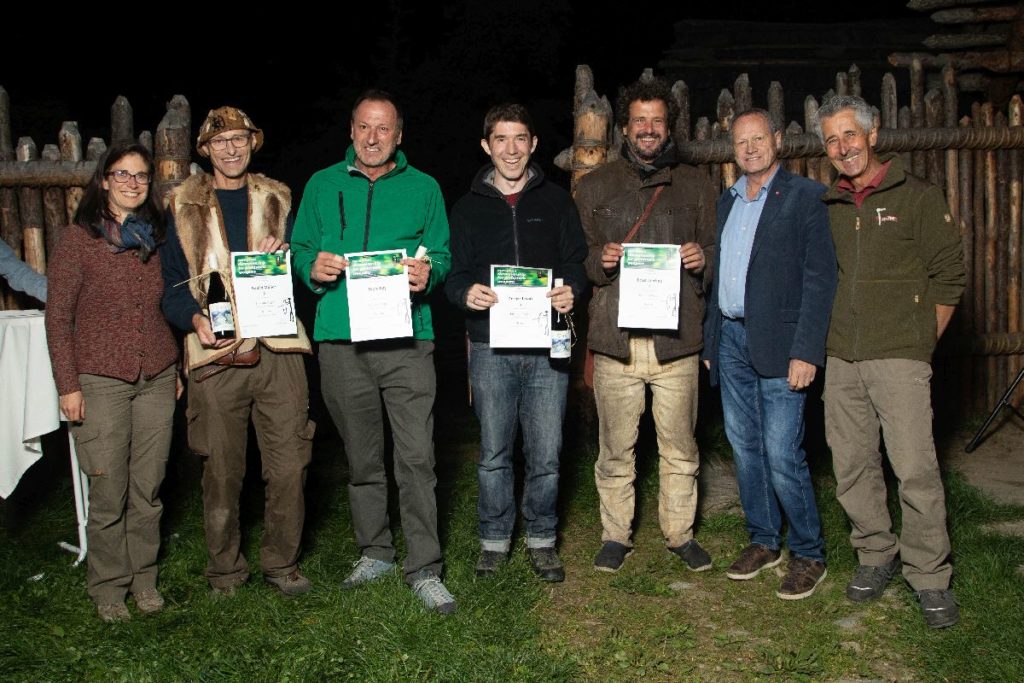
(378, 295)
(522, 316)
(649, 286)
(263, 294)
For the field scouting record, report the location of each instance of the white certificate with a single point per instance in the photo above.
(264, 301)
(522, 316)
(649, 286)
(378, 295)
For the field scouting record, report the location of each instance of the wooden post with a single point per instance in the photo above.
(30, 208)
(70, 142)
(726, 114)
(681, 93)
(121, 124)
(173, 145)
(967, 230)
(854, 80)
(991, 251)
(54, 207)
(743, 97)
(10, 232)
(702, 131)
(717, 169)
(96, 149)
(917, 119)
(1002, 201)
(889, 108)
(934, 113)
(777, 105)
(842, 83)
(905, 122)
(1013, 303)
(796, 165)
(980, 296)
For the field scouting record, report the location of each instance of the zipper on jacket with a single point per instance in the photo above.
(341, 211)
(515, 232)
(366, 230)
(853, 294)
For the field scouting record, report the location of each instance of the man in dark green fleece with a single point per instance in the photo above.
(373, 201)
(901, 274)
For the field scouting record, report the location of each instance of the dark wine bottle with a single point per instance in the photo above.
(561, 339)
(219, 305)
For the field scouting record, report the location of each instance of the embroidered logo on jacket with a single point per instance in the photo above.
(883, 218)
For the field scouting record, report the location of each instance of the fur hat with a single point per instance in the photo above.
(223, 119)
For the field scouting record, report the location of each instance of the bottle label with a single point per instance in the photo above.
(561, 344)
(220, 317)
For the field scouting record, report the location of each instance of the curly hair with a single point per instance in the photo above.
(646, 91)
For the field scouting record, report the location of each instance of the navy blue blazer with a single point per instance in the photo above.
(791, 280)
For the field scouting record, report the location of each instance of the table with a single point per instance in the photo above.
(30, 408)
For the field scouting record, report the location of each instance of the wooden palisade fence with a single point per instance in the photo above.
(976, 159)
(39, 192)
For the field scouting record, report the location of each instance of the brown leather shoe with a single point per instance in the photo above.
(149, 601)
(752, 560)
(290, 584)
(802, 577)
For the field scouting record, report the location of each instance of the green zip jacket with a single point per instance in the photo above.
(342, 211)
(899, 255)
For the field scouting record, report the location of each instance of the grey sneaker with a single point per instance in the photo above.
(366, 569)
(695, 557)
(869, 582)
(432, 593)
(611, 556)
(113, 612)
(939, 607)
(149, 600)
(546, 564)
(292, 584)
(490, 562)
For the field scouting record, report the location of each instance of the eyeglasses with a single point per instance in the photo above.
(123, 176)
(236, 141)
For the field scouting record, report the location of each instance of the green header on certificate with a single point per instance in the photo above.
(375, 265)
(259, 265)
(655, 258)
(515, 276)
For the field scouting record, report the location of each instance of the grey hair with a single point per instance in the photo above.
(773, 126)
(862, 111)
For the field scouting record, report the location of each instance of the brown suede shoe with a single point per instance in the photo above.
(113, 612)
(752, 560)
(802, 578)
(290, 584)
(149, 601)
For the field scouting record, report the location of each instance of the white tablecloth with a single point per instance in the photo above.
(29, 406)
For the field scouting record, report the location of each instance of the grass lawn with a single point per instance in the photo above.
(652, 621)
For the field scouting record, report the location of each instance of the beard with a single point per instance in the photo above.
(646, 156)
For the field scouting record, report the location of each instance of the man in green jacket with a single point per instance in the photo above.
(901, 274)
(373, 201)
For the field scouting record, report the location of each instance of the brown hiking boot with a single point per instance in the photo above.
(149, 601)
(113, 612)
(802, 577)
(752, 560)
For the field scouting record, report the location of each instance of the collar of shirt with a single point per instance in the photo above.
(860, 195)
(739, 188)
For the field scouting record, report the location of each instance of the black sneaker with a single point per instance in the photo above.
(611, 556)
(546, 564)
(868, 583)
(939, 607)
(490, 562)
(695, 557)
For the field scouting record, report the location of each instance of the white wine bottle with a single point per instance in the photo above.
(218, 303)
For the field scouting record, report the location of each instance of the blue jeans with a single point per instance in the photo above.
(764, 421)
(511, 386)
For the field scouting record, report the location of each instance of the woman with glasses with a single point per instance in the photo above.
(113, 361)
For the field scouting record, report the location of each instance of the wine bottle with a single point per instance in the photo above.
(561, 338)
(218, 303)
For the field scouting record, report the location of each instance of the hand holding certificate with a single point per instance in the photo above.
(263, 293)
(378, 295)
(649, 286)
(522, 316)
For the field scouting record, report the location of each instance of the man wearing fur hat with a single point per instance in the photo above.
(211, 215)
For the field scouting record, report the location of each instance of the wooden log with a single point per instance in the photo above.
(95, 150)
(43, 173)
(10, 231)
(999, 61)
(888, 114)
(584, 84)
(1002, 252)
(777, 105)
(950, 100)
(54, 209)
(702, 132)
(854, 80)
(146, 140)
(934, 114)
(976, 15)
(965, 210)
(903, 117)
(6, 148)
(797, 165)
(743, 96)
(978, 195)
(70, 141)
(121, 122)
(811, 124)
(928, 5)
(991, 252)
(944, 42)
(726, 115)
(842, 83)
(681, 93)
(917, 159)
(173, 147)
(30, 210)
(724, 174)
(1013, 303)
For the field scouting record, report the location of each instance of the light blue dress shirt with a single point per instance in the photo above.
(737, 242)
(19, 275)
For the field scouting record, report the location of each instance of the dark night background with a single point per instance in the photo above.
(447, 62)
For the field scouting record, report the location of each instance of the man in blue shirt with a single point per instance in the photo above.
(764, 339)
